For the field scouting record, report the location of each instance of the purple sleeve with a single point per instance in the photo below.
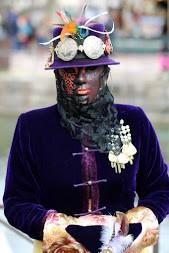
(152, 178)
(22, 205)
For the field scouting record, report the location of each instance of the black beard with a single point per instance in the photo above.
(91, 123)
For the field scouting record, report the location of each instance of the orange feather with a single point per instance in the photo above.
(70, 27)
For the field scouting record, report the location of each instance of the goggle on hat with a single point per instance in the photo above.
(79, 43)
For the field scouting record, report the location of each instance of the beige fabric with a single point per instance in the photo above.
(37, 248)
(147, 250)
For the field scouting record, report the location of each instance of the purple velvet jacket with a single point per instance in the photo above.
(42, 171)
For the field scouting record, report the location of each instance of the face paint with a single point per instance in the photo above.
(88, 83)
(83, 83)
(69, 80)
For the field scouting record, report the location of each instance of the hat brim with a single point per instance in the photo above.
(104, 60)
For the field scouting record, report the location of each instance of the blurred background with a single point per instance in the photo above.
(141, 44)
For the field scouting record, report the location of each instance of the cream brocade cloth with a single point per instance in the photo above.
(37, 248)
(54, 230)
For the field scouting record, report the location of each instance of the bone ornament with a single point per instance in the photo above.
(120, 157)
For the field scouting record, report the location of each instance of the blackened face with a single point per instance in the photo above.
(83, 84)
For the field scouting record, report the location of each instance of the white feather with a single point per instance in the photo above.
(117, 228)
(120, 243)
(107, 231)
(112, 239)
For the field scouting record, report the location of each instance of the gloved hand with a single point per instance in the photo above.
(55, 237)
(150, 228)
(83, 234)
(105, 233)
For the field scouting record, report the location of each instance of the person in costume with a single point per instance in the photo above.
(75, 167)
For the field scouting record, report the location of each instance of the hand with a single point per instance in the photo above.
(106, 232)
(150, 228)
(56, 239)
(150, 238)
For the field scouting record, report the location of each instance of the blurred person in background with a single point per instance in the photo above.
(2, 27)
(74, 168)
(18, 28)
(25, 33)
(132, 12)
(10, 26)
